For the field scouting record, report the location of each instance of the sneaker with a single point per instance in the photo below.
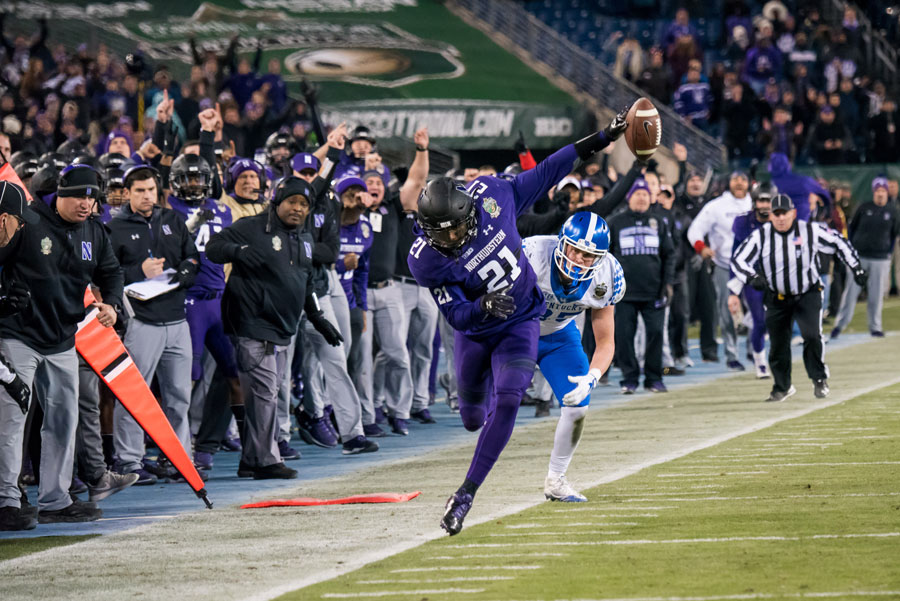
(762, 367)
(110, 483)
(673, 371)
(76, 512)
(27, 508)
(276, 471)
(736, 366)
(398, 425)
(373, 431)
(203, 460)
(244, 470)
(144, 478)
(331, 422)
(13, 518)
(423, 417)
(656, 387)
(232, 444)
(877, 334)
(453, 403)
(380, 417)
(542, 409)
(358, 445)
(315, 431)
(528, 400)
(176, 477)
(161, 469)
(820, 389)
(684, 362)
(287, 452)
(778, 396)
(458, 505)
(835, 333)
(77, 487)
(557, 488)
(628, 388)
(710, 358)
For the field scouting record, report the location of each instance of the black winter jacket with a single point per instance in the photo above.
(57, 260)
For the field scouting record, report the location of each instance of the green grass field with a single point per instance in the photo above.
(12, 548)
(810, 506)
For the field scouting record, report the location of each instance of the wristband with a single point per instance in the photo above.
(420, 148)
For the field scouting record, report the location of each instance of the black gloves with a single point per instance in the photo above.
(498, 303)
(185, 275)
(324, 327)
(617, 126)
(20, 393)
(860, 277)
(520, 146)
(250, 256)
(16, 297)
(758, 282)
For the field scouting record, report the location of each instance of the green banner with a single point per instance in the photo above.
(465, 124)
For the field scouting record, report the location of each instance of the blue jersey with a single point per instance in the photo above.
(355, 238)
(493, 259)
(211, 276)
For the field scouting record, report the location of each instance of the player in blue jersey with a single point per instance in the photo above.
(744, 225)
(575, 273)
(469, 254)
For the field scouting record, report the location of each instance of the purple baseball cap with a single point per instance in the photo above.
(346, 182)
(305, 160)
(639, 184)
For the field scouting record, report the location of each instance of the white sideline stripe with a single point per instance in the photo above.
(680, 541)
(783, 453)
(462, 569)
(438, 591)
(438, 580)
(138, 517)
(363, 559)
(814, 464)
(740, 596)
(754, 498)
(128, 362)
(646, 113)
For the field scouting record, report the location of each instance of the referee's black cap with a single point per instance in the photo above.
(782, 202)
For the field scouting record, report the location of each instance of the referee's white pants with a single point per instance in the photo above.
(879, 283)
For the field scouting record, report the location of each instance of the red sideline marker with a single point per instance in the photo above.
(385, 497)
(107, 356)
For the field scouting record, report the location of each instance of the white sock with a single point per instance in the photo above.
(568, 433)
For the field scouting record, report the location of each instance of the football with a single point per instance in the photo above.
(644, 132)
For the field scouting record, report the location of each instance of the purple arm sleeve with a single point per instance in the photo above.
(529, 186)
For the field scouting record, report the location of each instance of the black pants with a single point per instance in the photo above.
(702, 301)
(679, 314)
(626, 325)
(806, 309)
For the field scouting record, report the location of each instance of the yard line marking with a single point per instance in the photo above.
(495, 556)
(138, 517)
(558, 533)
(741, 456)
(658, 507)
(393, 593)
(527, 526)
(754, 498)
(462, 568)
(437, 580)
(740, 596)
(813, 464)
(688, 475)
(599, 515)
(680, 541)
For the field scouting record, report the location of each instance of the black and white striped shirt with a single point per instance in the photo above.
(788, 260)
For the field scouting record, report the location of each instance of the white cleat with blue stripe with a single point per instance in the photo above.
(557, 488)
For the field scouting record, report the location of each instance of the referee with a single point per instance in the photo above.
(780, 259)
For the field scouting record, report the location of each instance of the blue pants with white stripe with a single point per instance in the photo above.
(561, 355)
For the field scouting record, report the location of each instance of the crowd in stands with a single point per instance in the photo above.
(229, 145)
(766, 78)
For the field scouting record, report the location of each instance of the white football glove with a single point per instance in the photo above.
(583, 387)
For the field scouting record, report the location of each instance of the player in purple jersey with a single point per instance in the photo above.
(191, 181)
(352, 263)
(469, 254)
